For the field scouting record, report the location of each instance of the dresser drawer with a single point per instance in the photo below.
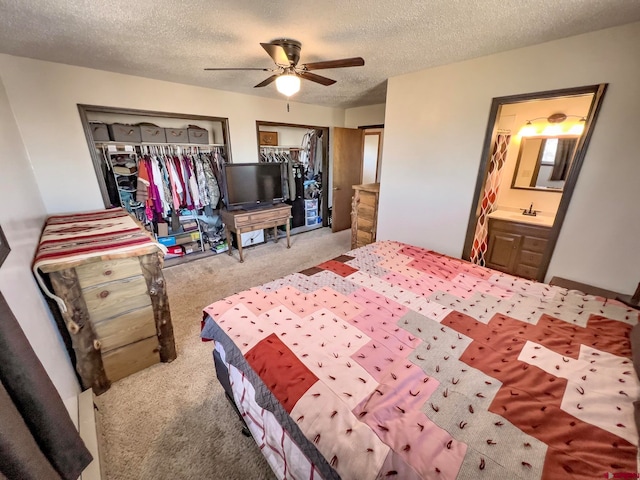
(534, 244)
(127, 328)
(532, 259)
(115, 298)
(526, 271)
(365, 211)
(364, 238)
(95, 273)
(368, 199)
(132, 358)
(253, 218)
(365, 224)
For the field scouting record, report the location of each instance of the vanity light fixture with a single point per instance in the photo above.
(288, 84)
(554, 126)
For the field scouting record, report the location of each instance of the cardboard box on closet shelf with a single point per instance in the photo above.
(163, 229)
(185, 238)
(191, 247)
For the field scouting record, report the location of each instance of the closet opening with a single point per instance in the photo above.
(165, 170)
(304, 152)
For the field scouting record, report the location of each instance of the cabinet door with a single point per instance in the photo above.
(503, 250)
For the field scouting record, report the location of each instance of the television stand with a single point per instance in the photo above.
(242, 221)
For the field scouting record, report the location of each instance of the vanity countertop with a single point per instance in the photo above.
(512, 216)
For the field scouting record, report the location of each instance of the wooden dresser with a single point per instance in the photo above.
(364, 214)
(516, 248)
(241, 221)
(105, 273)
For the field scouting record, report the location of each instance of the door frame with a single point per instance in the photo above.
(325, 159)
(598, 91)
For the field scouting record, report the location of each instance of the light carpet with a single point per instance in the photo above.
(172, 420)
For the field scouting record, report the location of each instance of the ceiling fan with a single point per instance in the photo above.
(287, 73)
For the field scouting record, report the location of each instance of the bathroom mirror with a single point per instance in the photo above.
(544, 162)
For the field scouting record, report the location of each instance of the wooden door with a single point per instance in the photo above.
(348, 144)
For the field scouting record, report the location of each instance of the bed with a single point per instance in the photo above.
(393, 361)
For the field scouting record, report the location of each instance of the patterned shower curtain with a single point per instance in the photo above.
(489, 196)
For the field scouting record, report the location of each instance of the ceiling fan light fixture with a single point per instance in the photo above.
(288, 84)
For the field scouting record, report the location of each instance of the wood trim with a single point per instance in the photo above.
(4, 247)
(86, 345)
(83, 109)
(582, 287)
(598, 92)
(156, 286)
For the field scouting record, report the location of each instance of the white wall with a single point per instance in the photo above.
(363, 116)
(22, 217)
(435, 124)
(44, 96)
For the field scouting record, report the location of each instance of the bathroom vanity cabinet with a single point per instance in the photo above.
(516, 248)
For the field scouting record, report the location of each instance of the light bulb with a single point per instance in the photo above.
(576, 129)
(528, 130)
(552, 130)
(288, 84)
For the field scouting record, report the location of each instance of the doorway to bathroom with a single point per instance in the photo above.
(533, 151)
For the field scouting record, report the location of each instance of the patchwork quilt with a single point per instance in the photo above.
(396, 362)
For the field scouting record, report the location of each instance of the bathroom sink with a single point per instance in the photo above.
(543, 220)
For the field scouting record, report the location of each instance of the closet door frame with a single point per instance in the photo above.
(96, 159)
(325, 159)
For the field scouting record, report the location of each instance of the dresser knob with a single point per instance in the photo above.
(108, 272)
(104, 294)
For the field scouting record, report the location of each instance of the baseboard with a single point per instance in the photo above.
(89, 429)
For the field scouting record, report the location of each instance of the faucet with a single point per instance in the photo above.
(531, 212)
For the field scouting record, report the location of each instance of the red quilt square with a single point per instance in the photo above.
(338, 268)
(280, 370)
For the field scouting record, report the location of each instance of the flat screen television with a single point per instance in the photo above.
(252, 185)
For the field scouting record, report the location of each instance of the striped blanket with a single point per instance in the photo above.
(70, 240)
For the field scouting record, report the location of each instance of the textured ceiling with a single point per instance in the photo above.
(174, 40)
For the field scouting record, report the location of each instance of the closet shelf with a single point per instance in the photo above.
(289, 147)
(157, 145)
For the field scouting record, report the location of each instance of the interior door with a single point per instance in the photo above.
(348, 145)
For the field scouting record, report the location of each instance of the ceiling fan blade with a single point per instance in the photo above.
(277, 53)
(240, 68)
(317, 78)
(266, 82)
(344, 62)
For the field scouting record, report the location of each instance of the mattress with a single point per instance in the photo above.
(393, 361)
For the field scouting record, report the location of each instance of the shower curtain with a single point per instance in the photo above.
(564, 154)
(489, 197)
